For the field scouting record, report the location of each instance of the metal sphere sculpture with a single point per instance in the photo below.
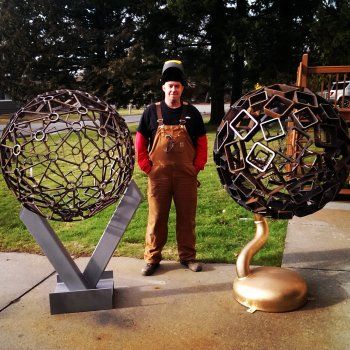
(66, 155)
(282, 151)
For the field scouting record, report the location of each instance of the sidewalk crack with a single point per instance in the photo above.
(26, 292)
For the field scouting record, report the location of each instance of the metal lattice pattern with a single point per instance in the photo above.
(67, 155)
(282, 151)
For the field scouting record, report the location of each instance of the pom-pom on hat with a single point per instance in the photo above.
(173, 70)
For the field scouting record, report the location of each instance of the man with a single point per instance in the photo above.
(171, 146)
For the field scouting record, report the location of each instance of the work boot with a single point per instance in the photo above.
(193, 265)
(149, 269)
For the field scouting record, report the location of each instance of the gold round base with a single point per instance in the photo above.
(271, 289)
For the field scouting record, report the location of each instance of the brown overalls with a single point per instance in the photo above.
(173, 176)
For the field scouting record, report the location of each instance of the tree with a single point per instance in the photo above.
(30, 45)
(37, 55)
(217, 33)
(202, 40)
(105, 32)
(166, 30)
(239, 22)
(117, 48)
(279, 35)
(330, 33)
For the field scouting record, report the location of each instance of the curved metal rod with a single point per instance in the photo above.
(247, 253)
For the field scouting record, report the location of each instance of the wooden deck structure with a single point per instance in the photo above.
(320, 79)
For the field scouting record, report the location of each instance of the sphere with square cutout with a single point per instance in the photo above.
(282, 151)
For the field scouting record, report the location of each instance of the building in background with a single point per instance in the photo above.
(7, 105)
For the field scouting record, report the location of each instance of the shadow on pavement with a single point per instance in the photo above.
(135, 296)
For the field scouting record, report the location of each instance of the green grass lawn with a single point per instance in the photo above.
(223, 227)
(124, 112)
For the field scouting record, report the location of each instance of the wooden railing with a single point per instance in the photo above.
(321, 79)
(333, 84)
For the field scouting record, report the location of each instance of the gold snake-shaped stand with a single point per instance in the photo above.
(271, 289)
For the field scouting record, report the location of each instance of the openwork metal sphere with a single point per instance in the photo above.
(282, 151)
(67, 155)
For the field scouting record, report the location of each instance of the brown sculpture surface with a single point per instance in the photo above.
(282, 151)
(66, 155)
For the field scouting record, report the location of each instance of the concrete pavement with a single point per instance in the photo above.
(320, 241)
(179, 309)
(20, 273)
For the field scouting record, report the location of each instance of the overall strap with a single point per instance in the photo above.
(159, 114)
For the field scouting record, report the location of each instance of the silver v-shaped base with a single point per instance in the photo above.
(94, 288)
